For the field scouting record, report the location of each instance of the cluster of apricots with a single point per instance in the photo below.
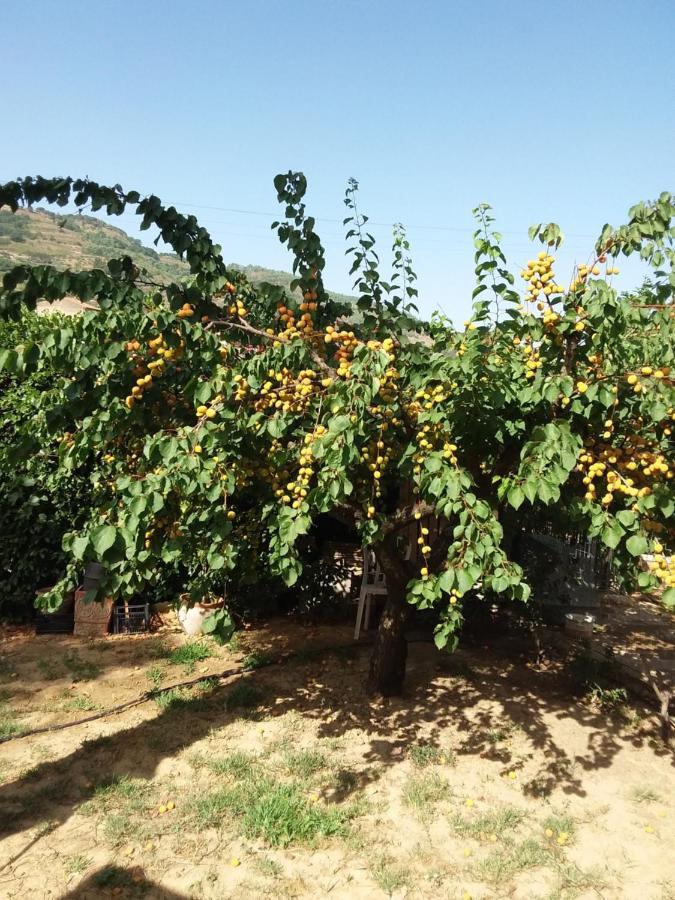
(636, 379)
(375, 456)
(149, 365)
(186, 311)
(663, 567)
(531, 355)
(164, 528)
(631, 469)
(296, 488)
(541, 279)
(208, 410)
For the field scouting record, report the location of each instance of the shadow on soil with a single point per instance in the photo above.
(473, 692)
(110, 881)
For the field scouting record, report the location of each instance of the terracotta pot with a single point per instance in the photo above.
(192, 617)
(92, 619)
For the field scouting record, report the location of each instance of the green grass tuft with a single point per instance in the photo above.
(423, 792)
(423, 755)
(482, 826)
(189, 654)
(304, 763)
(268, 810)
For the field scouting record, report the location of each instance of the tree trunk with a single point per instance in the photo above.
(387, 664)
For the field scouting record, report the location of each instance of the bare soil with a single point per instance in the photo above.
(491, 777)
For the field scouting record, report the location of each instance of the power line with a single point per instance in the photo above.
(276, 215)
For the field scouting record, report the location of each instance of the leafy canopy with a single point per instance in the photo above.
(220, 420)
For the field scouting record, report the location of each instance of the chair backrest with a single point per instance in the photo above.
(373, 576)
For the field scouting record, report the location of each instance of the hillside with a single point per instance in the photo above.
(84, 242)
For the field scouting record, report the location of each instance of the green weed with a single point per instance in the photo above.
(505, 863)
(423, 792)
(388, 876)
(304, 763)
(239, 765)
(155, 676)
(423, 755)
(188, 655)
(495, 822)
(256, 660)
(79, 704)
(272, 811)
(75, 865)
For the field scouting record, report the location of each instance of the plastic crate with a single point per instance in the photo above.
(131, 618)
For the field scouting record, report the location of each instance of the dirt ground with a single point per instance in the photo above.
(490, 778)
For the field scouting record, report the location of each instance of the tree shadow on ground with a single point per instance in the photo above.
(469, 695)
(114, 881)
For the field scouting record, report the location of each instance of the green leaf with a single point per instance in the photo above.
(612, 534)
(637, 544)
(102, 539)
(516, 496)
(668, 597)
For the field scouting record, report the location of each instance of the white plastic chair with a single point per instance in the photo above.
(373, 583)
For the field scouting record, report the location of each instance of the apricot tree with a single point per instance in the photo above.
(221, 419)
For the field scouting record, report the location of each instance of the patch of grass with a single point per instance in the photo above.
(343, 782)
(155, 676)
(48, 670)
(75, 865)
(423, 755)
(276, 812)
(172, 698)
(119, 828)
(8, 727)
(304, 763)
(608, 699)
(81, 669)
(79, 704)
(388, 876)
(119, 792)
(268, 867)
(243, 695)
(575, 881)
(423, 792)
(562, 826)
(188, 655)
(495, 822)
(503, 864)
(239, 765)
(257, 660)
(645, 794)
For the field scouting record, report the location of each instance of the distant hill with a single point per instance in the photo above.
(41, 237)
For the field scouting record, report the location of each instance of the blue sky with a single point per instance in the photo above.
(557, 112)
